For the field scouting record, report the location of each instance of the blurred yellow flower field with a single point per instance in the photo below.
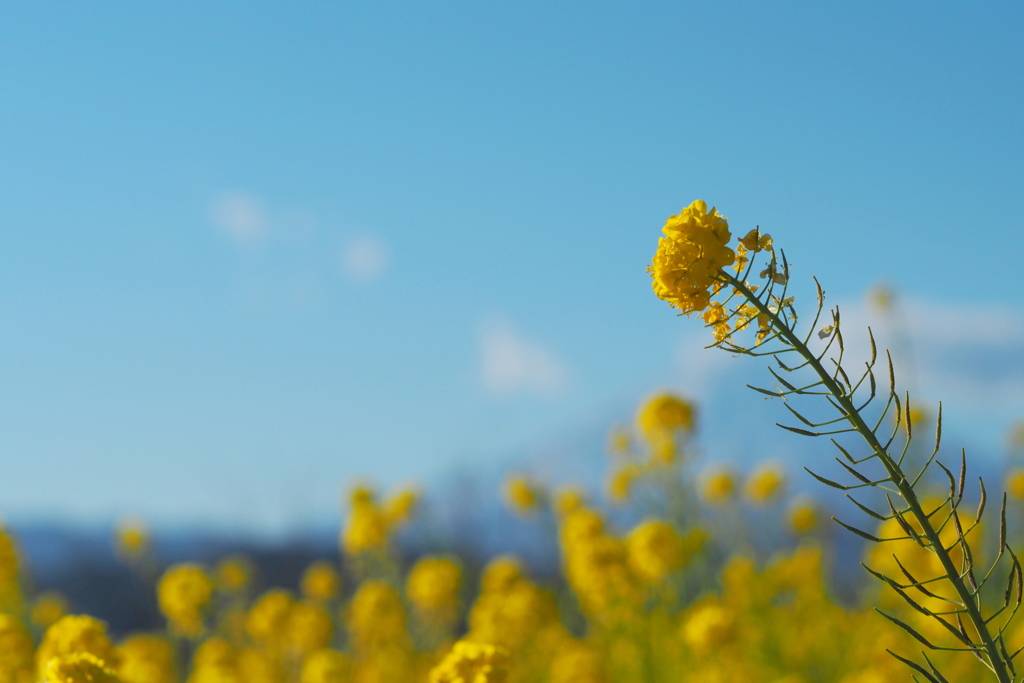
(679, 589)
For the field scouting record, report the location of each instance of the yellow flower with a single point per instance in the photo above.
(719, 486)
(214, 652)
(709, 626)
(267, 620)
(502, 573)
(690, 257)
(764, 484)
(16, 650)
(184, 592)
(376, 616)
(470, 662)
(399, 508)
(10, 562)
(1015, 483)
(577, 662)
(326, 666)
(131, 539)
(655, 550)
(522, 495)
(754, 241)
(320, 581)
(146, 659)
(665, 413)
(618, 441)
(881, 297)
(621, 483)
(568, 500)
(79, 667)
(48, 608)
(74, 634)
(309, 627)
(803, 518)
(368, 529)
(234, 573)
(433, 587)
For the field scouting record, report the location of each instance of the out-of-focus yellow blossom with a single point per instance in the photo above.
(803, 518)
(1015, 483)
(500, 574)
(577, 662)
(621, 483)
(146, 659)
(326, 666)
(398, 509)
(48, 608)
(690, 255)
(10, 563)
(234, 573)
(367, 529)
(663, 414)
(719, 485)
(522, 495)
(511, 610)
(215, 652)
(267, 620)
(78, 667)
(184, 593)
(882, 297)
(470, 662)
(320, 581)
(765, 484)
(433, 588)
(580, 526)
(709, 625)
(74, 634)
(16, 650)
(619, 441)
(309, 627)
(655, 550)
(568, 500)
(131, 539)
(258, 666)
(376, 616)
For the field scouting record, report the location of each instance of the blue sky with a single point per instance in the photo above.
(251, 250)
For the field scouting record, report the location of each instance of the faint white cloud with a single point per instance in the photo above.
(241, 216)
(511, 363)
(365, 258)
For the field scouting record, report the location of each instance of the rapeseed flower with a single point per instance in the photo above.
(685, 269)
(320, 581)
(74, 634)
(470, 662)
(184, 593)
(78, 667)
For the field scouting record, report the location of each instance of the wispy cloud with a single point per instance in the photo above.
(241, 216)
(365, 258)
(511, 363)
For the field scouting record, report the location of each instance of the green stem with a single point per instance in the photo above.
(896, 476)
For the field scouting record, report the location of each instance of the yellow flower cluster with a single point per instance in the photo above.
(470, 662)
(184, 593)
(522, 495)
(433, 588)
(685, 269)
(371, 524)
(652, 590)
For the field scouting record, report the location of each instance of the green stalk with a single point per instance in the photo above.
(896, 476)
